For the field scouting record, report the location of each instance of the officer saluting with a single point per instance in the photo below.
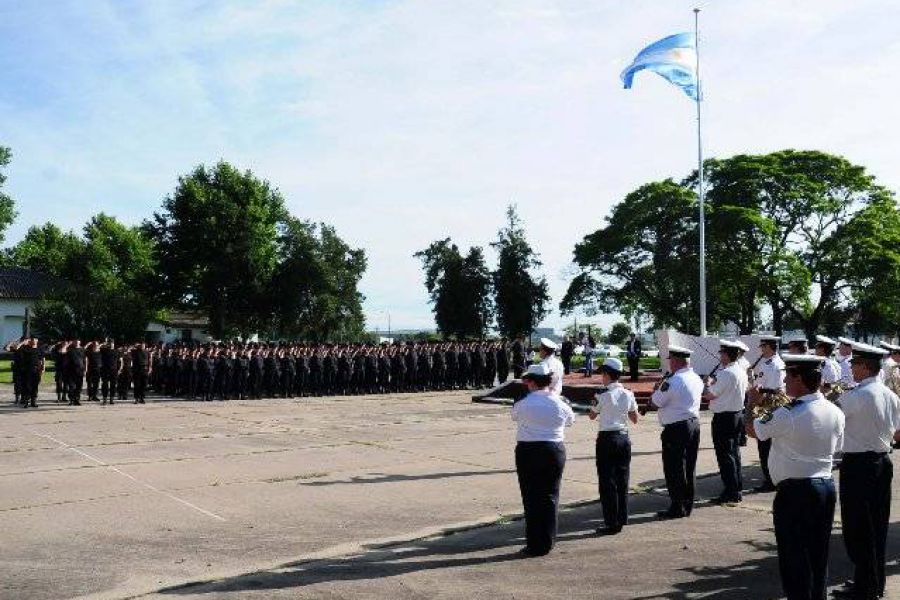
(726, 400)
(554, 365)
(678, 400)
(805, 435)
(872, 413)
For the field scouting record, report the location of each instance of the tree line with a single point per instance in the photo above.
(468, 299)
(795, 239)
(222, 244)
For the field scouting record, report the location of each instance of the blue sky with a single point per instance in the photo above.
(405, 122)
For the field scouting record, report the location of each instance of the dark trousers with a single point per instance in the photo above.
(75, 385)
(31, 380)
(539, 466)
(108, 384)
(763, 447)
(680, 443)
(93, 384)
(865, 511)
(139, 378)
(567, 364)
(613, 470)
(803, 512)
(726, 434)
(633, 362)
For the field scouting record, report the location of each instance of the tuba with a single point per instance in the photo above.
(767, 402)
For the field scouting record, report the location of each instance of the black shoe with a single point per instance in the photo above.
(764, 488)
(527, 552)
(608, 530)
(670, 514)
(76, 403)
(727, 499)
(111, 401)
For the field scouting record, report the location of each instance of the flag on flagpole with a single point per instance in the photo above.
(673, 58)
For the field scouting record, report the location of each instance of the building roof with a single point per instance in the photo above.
(23, 284)
(187, 320)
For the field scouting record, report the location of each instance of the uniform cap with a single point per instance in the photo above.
(803, 361)
(845, 341)
(537, 370)
(548, 343)
(680, 352)
(797, 340)
(613, 364)
(730, 344)
(861, 350)
(825, 340)
(741, 346)
(769, 338)
(890, 347)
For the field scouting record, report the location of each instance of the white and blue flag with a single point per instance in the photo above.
(674, 58)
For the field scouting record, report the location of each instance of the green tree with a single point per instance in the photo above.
(618, 333)
(459, 288)
(644, 260)
(793, 206)
(105, 277)
(52, 251)
(520, 296)
(7, 206)
(315, 284)
(216, 239)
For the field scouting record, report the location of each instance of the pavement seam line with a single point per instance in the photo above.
(132, 477)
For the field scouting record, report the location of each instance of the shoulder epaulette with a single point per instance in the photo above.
(794, 403)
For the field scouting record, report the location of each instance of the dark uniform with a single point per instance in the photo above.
(124, 383)
(139, 371)
(30, 365)
(75, 367)
(109, 368)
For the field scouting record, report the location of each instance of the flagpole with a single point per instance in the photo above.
(700, 181)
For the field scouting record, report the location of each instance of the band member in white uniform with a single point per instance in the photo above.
(678, 401)
(831, 370)
(542, 418)
(726, 401)
(768, 378)
(805, 435)
(845, 353)
(890, 368)
(614, 408)
(872, 414)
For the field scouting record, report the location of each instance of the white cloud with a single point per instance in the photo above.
(405, 122)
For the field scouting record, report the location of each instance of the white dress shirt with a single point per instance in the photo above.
(805, 435)
(873, 415)
(613, 407)
(542, 417)
(769, 374)
(678, 398)
(831, 371)
(846, 372)
(729, 389)
(555, 366)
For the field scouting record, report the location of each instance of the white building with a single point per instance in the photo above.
(19, 290)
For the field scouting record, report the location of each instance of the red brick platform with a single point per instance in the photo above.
(577, 388)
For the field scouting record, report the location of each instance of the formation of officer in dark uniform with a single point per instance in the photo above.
(237, 370)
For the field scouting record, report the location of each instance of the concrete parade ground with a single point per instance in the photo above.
(395, 496)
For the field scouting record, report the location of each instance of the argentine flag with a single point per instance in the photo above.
(674, 58)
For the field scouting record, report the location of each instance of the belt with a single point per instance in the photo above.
(613, 432)
(688, 420)
(867, 454)
(800, 481)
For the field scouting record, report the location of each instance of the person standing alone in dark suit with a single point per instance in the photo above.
(565, 354)
(633, 353)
